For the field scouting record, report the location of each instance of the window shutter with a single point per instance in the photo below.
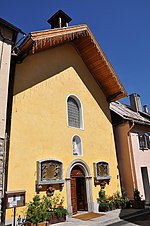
(144, 141)
(148, 142)
(141, 142)
(147, 138)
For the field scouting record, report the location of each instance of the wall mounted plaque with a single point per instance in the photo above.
(49, 172)
(102, 175)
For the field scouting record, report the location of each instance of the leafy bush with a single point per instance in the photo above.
(42, 209)
(102, 200)
(136, 194)
(114, 201)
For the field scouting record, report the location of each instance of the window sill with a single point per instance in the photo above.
(142, 149)
(75, 127)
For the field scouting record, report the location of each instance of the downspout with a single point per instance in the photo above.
(131, 155)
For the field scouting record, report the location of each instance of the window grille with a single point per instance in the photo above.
(73, 113)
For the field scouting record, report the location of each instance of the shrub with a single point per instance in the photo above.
(136, 194)
(102, 200)
(42, 209)
(114, 201)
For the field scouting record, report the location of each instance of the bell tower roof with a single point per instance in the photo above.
(59, 20)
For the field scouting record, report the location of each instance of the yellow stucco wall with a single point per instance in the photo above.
(39, 119)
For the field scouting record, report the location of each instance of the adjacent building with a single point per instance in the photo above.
(132, 138)
(61, 130)
(8, 38)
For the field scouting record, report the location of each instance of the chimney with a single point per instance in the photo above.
(145, 108)
(59, 20)
(135, 102)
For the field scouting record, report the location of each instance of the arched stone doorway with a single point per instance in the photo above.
(79, 187)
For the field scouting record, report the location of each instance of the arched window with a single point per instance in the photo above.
(74, 112)
(76, 146)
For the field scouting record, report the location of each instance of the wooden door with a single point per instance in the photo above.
(78, 190)
(81, 194)
(73, 195)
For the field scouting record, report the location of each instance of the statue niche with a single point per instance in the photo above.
(102, 176)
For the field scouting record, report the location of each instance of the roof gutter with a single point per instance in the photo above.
(18, 42)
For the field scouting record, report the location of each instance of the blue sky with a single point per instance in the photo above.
(121, 27)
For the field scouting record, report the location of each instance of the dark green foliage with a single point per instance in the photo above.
(112, 202)
(103, 202)
(137, 196)
(42, 209)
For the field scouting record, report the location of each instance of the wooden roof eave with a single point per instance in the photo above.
(24, 48)
(89, 50)
(97, 62)
(36, 39)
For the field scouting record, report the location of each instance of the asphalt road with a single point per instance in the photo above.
(141, 219)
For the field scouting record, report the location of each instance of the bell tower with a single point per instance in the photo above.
(59, 20)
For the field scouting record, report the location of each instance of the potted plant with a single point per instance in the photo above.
(41, 211)
(58, 211)
(125, 202)
(137, 203)
(111, 202)
(121, 201)
(102, 200)
(118, 201)
(34, 211)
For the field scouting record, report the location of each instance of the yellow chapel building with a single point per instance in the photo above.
(61, 131)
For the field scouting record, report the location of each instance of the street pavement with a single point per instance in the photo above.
(118, 217)
(142, 219)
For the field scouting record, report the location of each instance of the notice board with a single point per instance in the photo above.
(15, 198)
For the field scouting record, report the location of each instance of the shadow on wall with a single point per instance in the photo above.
(44, 65)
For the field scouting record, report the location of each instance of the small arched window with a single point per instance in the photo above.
(74, 112)
(76, 146)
